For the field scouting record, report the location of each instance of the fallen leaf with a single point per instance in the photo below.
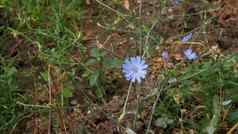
(88, 2)
(130, 131)
(177, 56)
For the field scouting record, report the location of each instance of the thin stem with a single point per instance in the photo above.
(148, 36)
(50, 99)
(141, 30)
(159, 90)
(137, 111)
(125, 104)
(152, 113)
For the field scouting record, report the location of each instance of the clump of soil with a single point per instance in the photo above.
(228, 20)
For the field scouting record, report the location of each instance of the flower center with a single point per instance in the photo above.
(134, 68)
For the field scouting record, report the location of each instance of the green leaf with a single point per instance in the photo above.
(44, 75)
(67, 93)
(112, 62)
(213, 124)
(94, 52)
(93, 78)
(91, 62)
(99, 92)
(233, 117)
(163, 122)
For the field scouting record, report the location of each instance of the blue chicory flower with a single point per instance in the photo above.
(165, 56)
(178, 1)
(189, 54)
(134, 69)
(187, 37)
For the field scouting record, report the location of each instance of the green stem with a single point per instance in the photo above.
(125, 104)
(152, 112)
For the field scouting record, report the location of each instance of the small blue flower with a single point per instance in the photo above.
(187, 37)
(178, 1)
(165, 56)
(189, 54)
(134, 69)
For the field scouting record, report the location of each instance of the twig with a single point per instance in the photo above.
(101, 45)
(61, 120)
(233, 128)
(114, 10)
(30, 105)
(116, 30)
